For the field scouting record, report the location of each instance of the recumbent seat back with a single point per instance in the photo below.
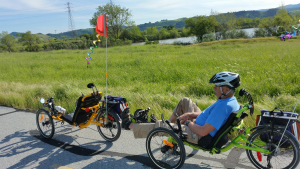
(221, 137)
(81, 116)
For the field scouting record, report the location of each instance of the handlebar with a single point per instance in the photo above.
(179, 126)
(50, 104)
(250, 100)
(92, 86)
(51, 99)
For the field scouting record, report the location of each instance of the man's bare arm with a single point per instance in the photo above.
(201, 130)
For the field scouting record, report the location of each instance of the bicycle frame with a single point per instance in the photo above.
(91, 120)
(235, 142)
(95, 109)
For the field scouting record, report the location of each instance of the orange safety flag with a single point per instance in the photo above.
(100, 27)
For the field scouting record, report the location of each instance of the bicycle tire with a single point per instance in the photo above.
(155, 146)
(110, 124)
(45, 123)
(285, 157)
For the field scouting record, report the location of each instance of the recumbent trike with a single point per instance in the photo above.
(267, 146)
(88, 111)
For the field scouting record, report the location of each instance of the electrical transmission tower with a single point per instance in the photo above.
(71, 23)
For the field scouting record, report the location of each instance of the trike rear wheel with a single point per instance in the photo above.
(111, 130)
(286, 155)
(165, 148)
(45, 123)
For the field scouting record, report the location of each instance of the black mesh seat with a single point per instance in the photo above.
(221, 137)
(77, 111)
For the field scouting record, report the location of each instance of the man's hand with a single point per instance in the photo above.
(183, 118)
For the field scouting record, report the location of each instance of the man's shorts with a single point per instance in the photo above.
(141, 130)
(185, 105)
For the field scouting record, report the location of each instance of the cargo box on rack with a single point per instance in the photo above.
(281, 119)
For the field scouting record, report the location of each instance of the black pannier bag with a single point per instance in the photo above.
(117, 103)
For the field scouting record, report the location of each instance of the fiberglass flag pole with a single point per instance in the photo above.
(101, 29)
(104, 31)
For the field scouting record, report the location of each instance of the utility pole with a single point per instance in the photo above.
(71, 23)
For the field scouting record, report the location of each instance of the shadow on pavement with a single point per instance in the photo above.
(43, 155)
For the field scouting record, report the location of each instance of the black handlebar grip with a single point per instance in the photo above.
(242, 92)
(179, 124)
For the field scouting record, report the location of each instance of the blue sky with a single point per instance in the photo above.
(51, 16)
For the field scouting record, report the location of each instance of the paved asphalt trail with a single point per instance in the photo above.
(21, 146)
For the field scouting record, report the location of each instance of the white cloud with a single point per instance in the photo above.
(26, 5)
(143, 11)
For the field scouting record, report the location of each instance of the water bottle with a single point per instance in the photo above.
(60, 109)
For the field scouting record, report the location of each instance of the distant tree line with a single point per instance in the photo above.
(277, 25)
(122, 31)
(227, 26)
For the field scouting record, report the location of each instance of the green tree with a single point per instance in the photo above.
(164, 34)
(185, 32)
(126, 34)
(266, 26)
(283, 18)
(297, 18)
(247, 22)
(152, 33)
(170, 27)
(201, 25)
(87, 36)
(63, 38)
(136, 33)
(227, 24)
(173, 33)
(117, 18)
(30, 41)
(7, 40)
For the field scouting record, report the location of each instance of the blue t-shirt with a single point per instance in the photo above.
(217, 113)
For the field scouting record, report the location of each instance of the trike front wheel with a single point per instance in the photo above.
(283, 155)
(111, 129)
(45, 123)
(165, 148)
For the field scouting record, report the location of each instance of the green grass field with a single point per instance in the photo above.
(155, 76)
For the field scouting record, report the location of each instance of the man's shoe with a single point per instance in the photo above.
(153, 119)
(126, 121)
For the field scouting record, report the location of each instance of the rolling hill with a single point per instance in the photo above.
(179, 23)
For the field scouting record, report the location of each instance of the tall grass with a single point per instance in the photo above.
(155, 76)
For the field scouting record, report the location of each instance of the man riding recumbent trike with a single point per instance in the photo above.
(267, 146)
(87, 111)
